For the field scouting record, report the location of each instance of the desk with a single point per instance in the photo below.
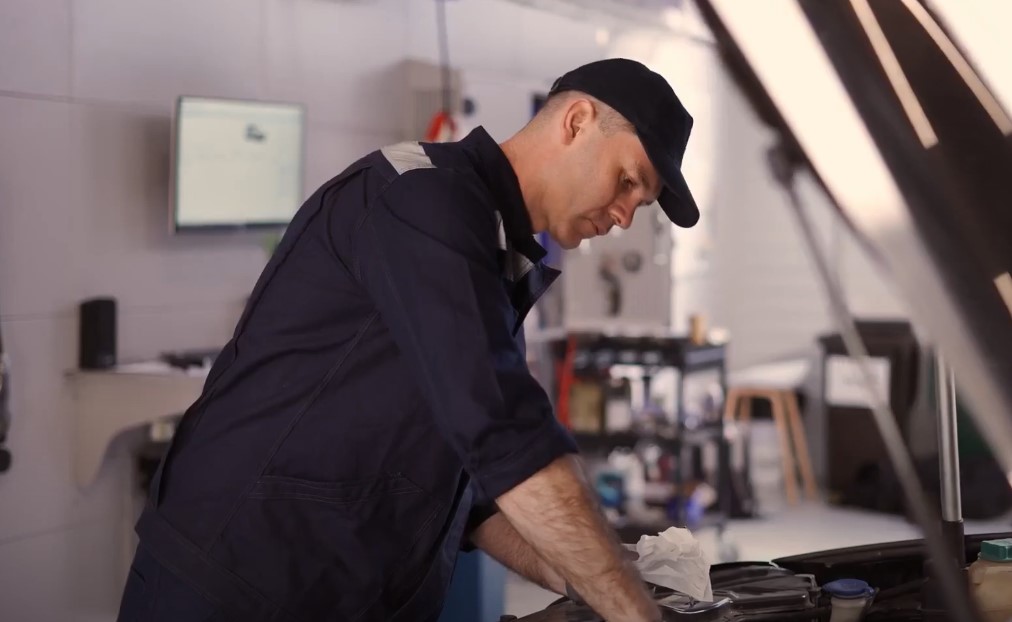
(112, 401)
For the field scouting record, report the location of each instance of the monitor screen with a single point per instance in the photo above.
(237, 163)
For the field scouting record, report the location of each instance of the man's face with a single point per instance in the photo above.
(600, 181)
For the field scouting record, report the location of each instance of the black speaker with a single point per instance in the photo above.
(98, 334)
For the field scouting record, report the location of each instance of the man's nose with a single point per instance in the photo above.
(622, 213)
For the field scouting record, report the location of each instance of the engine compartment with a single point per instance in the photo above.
(792, 588)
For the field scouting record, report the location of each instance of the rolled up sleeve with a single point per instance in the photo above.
(426, 254)
(478, 515)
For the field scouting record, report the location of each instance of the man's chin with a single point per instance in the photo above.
(568, 240)
(569, 244)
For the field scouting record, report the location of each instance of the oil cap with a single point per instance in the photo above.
(996, 550)
(848, 588)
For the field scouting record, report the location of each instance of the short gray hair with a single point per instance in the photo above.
(609, 120)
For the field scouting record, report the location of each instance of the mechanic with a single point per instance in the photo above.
(373, 412)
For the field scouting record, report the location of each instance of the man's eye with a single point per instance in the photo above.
(627, 183)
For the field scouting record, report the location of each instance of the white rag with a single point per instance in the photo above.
(674, 559)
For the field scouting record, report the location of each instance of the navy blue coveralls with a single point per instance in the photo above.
(371, 405)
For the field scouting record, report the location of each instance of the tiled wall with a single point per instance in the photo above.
(86, 93)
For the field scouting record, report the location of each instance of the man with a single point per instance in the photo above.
(373, 412)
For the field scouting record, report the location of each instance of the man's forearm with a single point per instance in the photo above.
(497, 537)
(555, 511)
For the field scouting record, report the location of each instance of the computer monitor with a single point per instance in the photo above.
(236, 164)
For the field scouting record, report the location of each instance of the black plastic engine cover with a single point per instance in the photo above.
(740, 591)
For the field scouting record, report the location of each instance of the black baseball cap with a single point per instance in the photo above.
(647, 101)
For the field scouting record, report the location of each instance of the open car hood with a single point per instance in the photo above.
(877, 99)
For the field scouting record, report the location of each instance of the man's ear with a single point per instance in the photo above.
(579, 115)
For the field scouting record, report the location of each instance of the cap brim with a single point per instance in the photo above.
(675, 198)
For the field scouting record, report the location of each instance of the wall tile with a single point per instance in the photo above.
(36, 237)
(550, 45)
(339, 59)
(35, 46)
(330, 150)
(145, 333)
(39, 491)
(152, 52)
(481, 34)
(63, 575)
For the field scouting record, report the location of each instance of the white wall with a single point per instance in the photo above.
(86, 93)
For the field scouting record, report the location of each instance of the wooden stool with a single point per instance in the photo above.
(787, 417)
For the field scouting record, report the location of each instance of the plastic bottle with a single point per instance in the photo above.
(628, 465)
(991, 580)
(850, 599)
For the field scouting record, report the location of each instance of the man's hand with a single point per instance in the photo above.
(555, 511)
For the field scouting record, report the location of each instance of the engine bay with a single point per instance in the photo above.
(800, 588)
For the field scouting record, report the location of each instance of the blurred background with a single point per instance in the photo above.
(699, 369)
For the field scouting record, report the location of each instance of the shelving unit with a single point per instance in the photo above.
(595, 354)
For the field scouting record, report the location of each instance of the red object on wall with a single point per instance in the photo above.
(442, 128)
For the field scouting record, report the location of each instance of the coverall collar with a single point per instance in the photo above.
(498, 174)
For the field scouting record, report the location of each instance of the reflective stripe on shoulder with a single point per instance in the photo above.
(407, 156)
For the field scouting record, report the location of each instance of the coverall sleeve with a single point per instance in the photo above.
(478, 515)
(426, 254)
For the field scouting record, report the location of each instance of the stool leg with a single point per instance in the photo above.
(746, 409)
(786, 454)
(801, 445)
(731, 405)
